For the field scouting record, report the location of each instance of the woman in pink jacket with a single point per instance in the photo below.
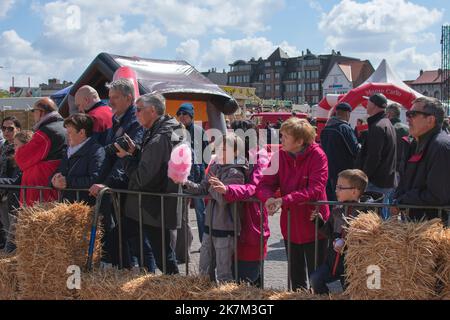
(301, 177)
(249, 241)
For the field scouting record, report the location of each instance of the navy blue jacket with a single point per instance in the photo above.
(83, 169)
(339, 142)
(117, 177)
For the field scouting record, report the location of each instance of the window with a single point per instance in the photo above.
(301, 87)
(278, 64)
(292, 75)
(231, 79)
(268, 88)
(267, 64)
(261, 77)
(315, 99)
(277, 87)
(277, 75)
(315, 87)
(267, 75)
(291, 87)
(300, 75)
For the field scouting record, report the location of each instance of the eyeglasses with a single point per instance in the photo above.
(415, 113)
(34, 110)
(338, 188)
(182, 113)
(10, 129)
(138, 109)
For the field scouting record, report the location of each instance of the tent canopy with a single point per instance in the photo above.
(384, 81)
(173, 79)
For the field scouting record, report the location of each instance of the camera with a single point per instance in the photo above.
(111, 148)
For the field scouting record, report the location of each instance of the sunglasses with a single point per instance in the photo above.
(34, 110)
(415, 113)
(10, 129)
(182, 113)
(344, 188)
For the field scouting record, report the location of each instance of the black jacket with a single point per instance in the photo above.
(426, 178)
(83, 169)
(339, 142)
(128, 124)
(147, 172)
(379, 152)
(335, 226)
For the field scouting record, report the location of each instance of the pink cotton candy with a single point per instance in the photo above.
(180, 163)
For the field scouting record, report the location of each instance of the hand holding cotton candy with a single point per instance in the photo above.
(180, 164)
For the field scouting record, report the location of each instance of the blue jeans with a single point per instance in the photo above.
(199, 205)
(319, 279)
(387, 192)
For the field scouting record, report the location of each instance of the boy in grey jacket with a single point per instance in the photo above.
(217, 250)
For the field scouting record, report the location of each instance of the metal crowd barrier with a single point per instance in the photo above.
(184, 197)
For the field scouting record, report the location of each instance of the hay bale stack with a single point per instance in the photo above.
(444, 266)
(406, 253)
(8, 277)
(50, 238)
(104, 285)
(299, 295)
(175, 287)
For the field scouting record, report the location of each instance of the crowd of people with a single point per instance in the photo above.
(127, 144)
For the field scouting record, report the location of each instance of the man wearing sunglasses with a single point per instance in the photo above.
(379, 153)
(426, 178)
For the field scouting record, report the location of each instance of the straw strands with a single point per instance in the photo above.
(406, 255)
(50, 238)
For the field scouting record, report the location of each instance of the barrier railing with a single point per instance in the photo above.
(116, 196)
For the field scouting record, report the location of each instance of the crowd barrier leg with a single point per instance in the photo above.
(316, 239)
(261, 243)
(163, 242)
(185, 221)
(141, 233)
(235, 235)
(289, 250)
(118, 210)
(94, 228)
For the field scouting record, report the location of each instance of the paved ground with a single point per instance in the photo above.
(275, 266)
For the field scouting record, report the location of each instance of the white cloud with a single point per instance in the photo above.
(222, 51)
(188, 50)
(378, 29)
(197, 17)
(5, 6)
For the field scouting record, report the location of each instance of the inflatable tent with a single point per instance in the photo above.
(178, 81)
(384, 81)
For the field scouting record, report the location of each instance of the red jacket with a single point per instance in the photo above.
(249, 237)
(102, 116)
(36, 171)
(301, 179)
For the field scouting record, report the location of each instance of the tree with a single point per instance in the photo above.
(4, 94)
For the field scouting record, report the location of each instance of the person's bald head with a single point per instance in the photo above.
(85, 98)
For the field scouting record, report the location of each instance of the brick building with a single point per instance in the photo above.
(280, 77)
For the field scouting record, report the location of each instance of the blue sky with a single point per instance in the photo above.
(58, 38)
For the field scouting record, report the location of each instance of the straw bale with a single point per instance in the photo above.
(406, 253)
(444, 266)
(105, 285)
(164, 287)
(8, 277)
(50, 238)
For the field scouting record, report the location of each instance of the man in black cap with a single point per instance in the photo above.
(379, 152)
(340, 145)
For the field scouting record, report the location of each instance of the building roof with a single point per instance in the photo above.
(429, 77)
(278, 54)
(356, 71)
(219, 78)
